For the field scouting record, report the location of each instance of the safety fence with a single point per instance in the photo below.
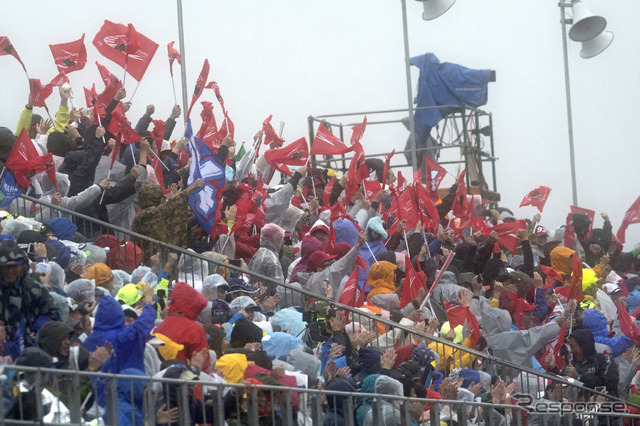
(71, 397)
(390, 334)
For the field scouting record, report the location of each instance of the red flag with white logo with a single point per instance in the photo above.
(6, 48)
(537, 197)
(434, 173)
(294, 154)
(325, 143)
(350, 293)
(200, 85)
(358, 131)
(270, 135)
(125, 46)
(174, 55)
(70, 56)
(631, 216)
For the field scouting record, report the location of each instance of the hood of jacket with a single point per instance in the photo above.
(290, 319)
(185, 300)
(388, 386)
(109, 315)
(561, 260)
(495, 321)
(381, 277)
(279, 344)
(595, 321)
(337, 402)
(346, 232)
(51, 336)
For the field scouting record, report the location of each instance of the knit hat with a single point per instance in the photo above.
(99, 272)
(375, 224)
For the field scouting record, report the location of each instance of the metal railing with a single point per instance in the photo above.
(69, 397)
(390, 333)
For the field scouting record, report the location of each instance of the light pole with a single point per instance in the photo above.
(588, 29)
(432, 9)
(183, 67)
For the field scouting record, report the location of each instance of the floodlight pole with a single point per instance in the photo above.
(183, 67)
(407, 64)
(567, 83)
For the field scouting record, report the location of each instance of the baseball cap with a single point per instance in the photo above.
(130, 294)
(540, 230)
(238, 284)
(316, 259)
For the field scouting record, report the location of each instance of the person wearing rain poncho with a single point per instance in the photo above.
(266, 261)
(389, 409)
(516, 346)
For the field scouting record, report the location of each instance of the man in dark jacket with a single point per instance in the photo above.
(591, 368)
(24, 305)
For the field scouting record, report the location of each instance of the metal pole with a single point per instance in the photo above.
(574, 186)
(183, 68)
(407, 65)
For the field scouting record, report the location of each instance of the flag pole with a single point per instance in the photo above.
(173, 84)
(134, 92)
(374, 256)
(442, 269)
(124, 79)
(183, 68)
(160, 161)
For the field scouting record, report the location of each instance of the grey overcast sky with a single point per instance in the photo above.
(294, 58)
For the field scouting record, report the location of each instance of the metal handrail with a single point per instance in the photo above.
(362, 313)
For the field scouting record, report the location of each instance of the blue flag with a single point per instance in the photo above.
(8, 189)
(205, 165)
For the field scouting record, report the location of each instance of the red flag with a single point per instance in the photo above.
(208, 128)
(428, 210)
(6, 48)
(216, 139)
(173, 55)
(350, 292)
(434, 173)
(358, 131)
(355, 177)
(575, 292)
(51, 169)
(387, 164)
(411, 285)
(216, 89)
(404, 208)
(401, 181)
(294, 154)
(158, 133)
(270, 134)
(111, 82)
(631, 216)
(70, 56)
(325, 143)
(245, 215)
(552, 275)
(371, 188)
(123, 45)
(326, 194)
(461, 204)
(18, 159)
(90, 96)
(507, 233)
(458, 315)
(120, 126)
(40, 93)
(200, 83)
(537, 197)
(627, 325)
(558, 347)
